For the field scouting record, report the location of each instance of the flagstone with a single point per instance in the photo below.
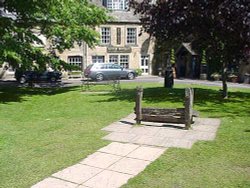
(148, 140)
(147, 153)
(118, 127)
(108, 179)
(100, 160)
(118, 148)
(120, 137)
(55, 183)
(129, 166)
(77, 173)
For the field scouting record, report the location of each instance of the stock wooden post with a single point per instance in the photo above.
(138, 101)
(189, 97)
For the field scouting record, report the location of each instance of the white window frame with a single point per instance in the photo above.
(116, 4)
(98, 59)
(75, 60)
(131, 37)
(105, 35)
(124, 61)
(114, 59)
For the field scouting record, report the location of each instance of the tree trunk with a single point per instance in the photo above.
(224, 81)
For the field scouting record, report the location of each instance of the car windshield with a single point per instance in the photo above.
(89, 67)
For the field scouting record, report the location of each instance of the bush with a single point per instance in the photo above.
(138, 72)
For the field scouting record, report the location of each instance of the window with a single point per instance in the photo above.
(124, 61)
(75, 60)
(115, 66)
(118, 35)
(116, 4)
(131, 35)
(113, 59)
(97, 59)
(105, 35)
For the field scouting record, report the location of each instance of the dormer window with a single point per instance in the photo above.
(116, 4)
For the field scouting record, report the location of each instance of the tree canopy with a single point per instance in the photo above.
(221, 27)
(62, 22)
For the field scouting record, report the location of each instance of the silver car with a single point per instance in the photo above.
(107, 71)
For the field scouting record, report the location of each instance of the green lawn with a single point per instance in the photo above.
(45, 130)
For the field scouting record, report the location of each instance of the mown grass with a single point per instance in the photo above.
(45, 130)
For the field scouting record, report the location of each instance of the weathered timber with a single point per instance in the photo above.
(138, 101)
(162, 110)
(167, 115)
(163, 118)
(189, 97)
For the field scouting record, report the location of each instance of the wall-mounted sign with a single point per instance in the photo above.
(119, 49)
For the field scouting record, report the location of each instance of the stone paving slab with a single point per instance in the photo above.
(206, 128)
(100, 160)
(207, 121)
(120, 137)
(147, 153)
(178, 143)
(148, 140)
(77, 173)
(166, 135)
(129, 166)
(171, 133)
(118, 127)
(55, 183)
(116, 162)
(118, 148)
(197, 135)
(108, 179)
(144, 130)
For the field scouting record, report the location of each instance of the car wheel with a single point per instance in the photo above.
(99, 77)
(22, 80)
(52, 79)
(131, 76)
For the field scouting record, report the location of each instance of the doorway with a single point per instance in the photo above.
(144, 66)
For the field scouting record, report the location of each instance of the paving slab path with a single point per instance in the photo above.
(132, 149)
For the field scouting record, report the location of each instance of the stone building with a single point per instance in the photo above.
(121, 41)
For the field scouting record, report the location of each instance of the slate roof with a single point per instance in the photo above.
(188, 47)
(124, 17)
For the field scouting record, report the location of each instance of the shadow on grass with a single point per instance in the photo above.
(17, 94)
(206, 100)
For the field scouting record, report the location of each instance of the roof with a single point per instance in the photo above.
(188, 47)
(124, 17)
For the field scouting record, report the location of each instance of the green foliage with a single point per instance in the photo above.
(203, 59)
(138, 72)
(222, 27)
(63, 23)
(172, 56)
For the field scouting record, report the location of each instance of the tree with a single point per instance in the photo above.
(221, 26)
(62, 22)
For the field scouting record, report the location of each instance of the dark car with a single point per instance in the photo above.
(35, 76)
(105, 71)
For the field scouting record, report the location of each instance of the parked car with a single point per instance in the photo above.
(106, 71)
(35, 76)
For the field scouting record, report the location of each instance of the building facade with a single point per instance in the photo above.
(121, 41)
